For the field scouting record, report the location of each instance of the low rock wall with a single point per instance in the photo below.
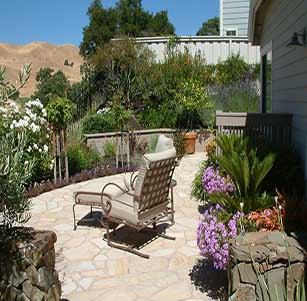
(265, 266)
(27, 272)
(98, 141)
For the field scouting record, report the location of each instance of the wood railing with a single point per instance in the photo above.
(273, 127)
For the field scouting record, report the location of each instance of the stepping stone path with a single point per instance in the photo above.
(91, 270)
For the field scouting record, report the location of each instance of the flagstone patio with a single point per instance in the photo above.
(91, 270)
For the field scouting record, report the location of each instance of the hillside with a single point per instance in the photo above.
(40, 54)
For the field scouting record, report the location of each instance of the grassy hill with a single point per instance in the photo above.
(40, 54)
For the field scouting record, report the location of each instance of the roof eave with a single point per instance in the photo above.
(254, 7)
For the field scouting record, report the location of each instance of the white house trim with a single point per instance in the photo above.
(267, 48)
(254, 6)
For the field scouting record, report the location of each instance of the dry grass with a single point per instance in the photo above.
(40, 54)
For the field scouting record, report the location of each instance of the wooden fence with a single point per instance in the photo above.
(273, 127)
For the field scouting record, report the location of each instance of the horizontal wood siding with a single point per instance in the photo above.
(289, 65)
(235, 16)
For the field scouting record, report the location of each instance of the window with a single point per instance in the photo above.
(266, 82)
(231, 32)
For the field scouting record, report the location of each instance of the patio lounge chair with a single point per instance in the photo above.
(145, 204)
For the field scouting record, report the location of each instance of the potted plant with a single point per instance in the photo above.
(192, 100)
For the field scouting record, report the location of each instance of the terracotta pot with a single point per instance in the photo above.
(190, 140)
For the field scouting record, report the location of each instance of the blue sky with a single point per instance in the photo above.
(61, 21)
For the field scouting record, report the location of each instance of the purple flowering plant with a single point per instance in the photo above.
(213, 181)
(213, 234)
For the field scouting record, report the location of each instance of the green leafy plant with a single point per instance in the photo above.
(210, 28)
(29, 118)
(198, 191)
(15, 173)
(247, 172)
(98, 123)
(125, 18)
(179, 144)
(110, 149)
(192, 100)
(9, 90)
(60, 112)
(82, 157)
(121, 113)
(51, 85)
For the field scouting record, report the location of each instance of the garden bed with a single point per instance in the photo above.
(84, 175)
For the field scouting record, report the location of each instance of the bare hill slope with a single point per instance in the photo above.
(40, 54)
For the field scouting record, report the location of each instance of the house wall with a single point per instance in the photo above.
(214, 49)
(289, 65)
(234, 15)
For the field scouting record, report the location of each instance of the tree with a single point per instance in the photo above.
(50, 85)
(132, 19)
(161, 25)
(121, 68)
(127, 18)
(100, 29)
(60, 112)
(210, 28)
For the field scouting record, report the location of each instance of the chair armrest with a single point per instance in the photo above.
(113, 184)
(105, 199)
(133, 178)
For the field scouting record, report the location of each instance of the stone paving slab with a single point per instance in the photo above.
(91, 270)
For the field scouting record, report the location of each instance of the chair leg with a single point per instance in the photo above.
(172, 207)
(119, 246)
(74, 214)
(166, 236)
(154, 229)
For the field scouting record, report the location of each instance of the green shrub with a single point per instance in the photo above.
(287, 169)
(31, 119)
(197, 188)
(15, 173)
(60, 112)
(236, 98)
(98, 123)
(110, 149)
(81, 157)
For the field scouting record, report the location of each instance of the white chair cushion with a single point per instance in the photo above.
(146, 160)
(127, 179)
(164, 143)
(122, 204)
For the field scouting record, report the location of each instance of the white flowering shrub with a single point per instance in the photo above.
(31, 119)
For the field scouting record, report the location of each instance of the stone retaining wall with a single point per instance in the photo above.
(98, 141)
(29, 273)
(265, 266)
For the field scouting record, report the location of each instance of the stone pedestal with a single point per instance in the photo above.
(27, 269)
(265, 266)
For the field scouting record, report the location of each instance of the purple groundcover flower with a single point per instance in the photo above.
(214, 182)
(213, 236)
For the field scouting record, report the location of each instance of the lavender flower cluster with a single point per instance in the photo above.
(214, 182)
(213, 236)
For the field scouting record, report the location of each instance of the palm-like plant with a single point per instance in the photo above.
(247, 172)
